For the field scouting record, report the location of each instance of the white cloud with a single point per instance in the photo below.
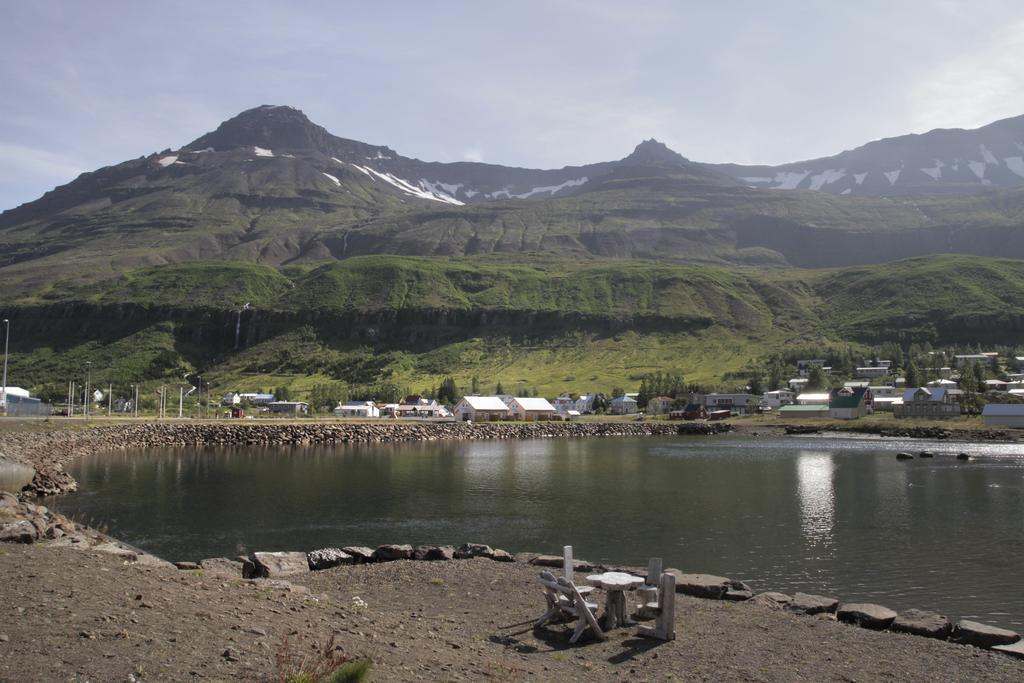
(971, 90)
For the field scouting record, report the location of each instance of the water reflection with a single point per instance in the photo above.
(840, 517)
(14, 476)
(815, 472)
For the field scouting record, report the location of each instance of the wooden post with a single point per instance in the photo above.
(181, 400)
(567, 568)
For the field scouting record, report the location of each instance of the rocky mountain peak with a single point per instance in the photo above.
(653, 151)
(279, 127)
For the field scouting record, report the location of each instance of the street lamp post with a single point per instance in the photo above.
(7, 338)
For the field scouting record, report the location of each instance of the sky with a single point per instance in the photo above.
(535, 84)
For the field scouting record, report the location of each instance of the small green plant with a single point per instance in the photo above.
(325, 664)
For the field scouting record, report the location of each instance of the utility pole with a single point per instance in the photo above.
(7, 338)
(110, 398)
(71, 406)
(181, 400)
(88, 387)
(70, 389)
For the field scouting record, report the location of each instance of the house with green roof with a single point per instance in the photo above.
(849, 403)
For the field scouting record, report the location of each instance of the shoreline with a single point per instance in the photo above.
(717, 598)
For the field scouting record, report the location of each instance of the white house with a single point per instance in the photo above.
(564, 403)
(741, 404)
(778, 398)
(1004, 415)
(357, 409)
(231, 399)
(531, 408)
(798, 383)
(622, 405)
(482, 409)
(585, 404)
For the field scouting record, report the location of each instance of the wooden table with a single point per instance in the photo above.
(615, 585)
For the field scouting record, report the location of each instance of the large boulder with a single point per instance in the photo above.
(393, 551)
(558, 562)
(470, 550)
(435, 553)
(19, 531)
(812, 604)
(922, 623)
(865, 614)
(116, 550)
(701, 585)
(360, 553)
(325, 558)
(977, 634)
(275, 565)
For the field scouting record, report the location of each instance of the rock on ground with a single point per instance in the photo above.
(923, 623)
(812, 604)
(701, 585)
(470, 550)
(274, 565)
(360, 553)
(393, 551)
(325, 558)
(867, 615)
(969, 632)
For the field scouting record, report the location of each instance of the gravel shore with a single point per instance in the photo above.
(72, 614)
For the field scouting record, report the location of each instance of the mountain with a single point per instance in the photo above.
(942, 160)
(270, 186)
(361, 265)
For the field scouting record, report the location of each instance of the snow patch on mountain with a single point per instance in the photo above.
(439, 187)
(548, 189)
(859, 177)
(789, 180)
(826, 178)
(978, 168)
(336, 181)
(846, 191)
(935, 171)
(1015, 164)
(260, 152)
(470, 193)
(167, 161)
(379, 155)
(892, 176)
(986, 154)
(756, 179)
(407, 187)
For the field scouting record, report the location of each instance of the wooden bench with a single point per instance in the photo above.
(565, 601)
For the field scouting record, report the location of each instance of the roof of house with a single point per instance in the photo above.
(485, 403)
(813, 396)
(847, 397)
(808, 408)
(934, 394)
(623, 399)
(534, 404)
(1003, 410)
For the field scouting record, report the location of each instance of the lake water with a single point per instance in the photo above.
(831, 516)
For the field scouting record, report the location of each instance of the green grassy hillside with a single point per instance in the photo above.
(553, 325)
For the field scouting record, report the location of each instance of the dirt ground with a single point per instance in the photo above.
(75, 615)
